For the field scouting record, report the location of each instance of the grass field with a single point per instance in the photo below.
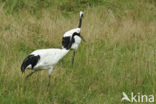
(119, 55)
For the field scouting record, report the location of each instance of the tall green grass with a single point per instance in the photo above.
(119, 55)
(13, 6)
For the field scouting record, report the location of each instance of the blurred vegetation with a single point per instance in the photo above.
(36, 5)
(68, 7)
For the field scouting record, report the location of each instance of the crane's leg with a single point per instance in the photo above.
(30, 74)
(62, 62)
(49, 73)
(73, 57)
(49, 80)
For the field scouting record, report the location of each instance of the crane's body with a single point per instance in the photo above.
(44, 58)
(67, 37)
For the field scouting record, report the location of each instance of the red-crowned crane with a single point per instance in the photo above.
(73, 32)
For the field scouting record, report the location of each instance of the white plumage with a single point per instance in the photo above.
(77, 39)
(48, 57)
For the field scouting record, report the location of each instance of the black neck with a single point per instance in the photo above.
(80, 22)
(72, 40)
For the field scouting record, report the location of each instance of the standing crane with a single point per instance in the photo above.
(73, 32)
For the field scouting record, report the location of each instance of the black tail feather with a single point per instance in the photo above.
(30, 60)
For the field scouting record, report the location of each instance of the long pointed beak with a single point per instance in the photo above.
(82, 38)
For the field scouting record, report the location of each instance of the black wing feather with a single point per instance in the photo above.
(30, 60)
(65, 41)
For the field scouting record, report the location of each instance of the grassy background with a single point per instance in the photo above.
(119, 55)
